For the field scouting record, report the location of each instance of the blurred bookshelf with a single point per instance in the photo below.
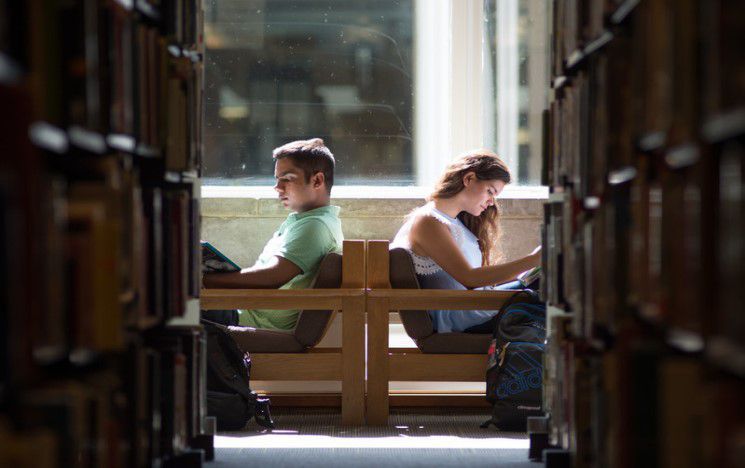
(644, 233)
(102, 360)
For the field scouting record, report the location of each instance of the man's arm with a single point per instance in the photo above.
(278, 272)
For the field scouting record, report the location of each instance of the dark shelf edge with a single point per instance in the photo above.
(574, 60)
(10, 72)
(147, 10)
(121, 142)
(591, 203)
(675, 338)
(622, 175)
(683, 156)
(49, 137)
(189, 176)
(177, 50)
(652, 141)
(87, 140)
(126, 4)
(623, 11)
(598, 44)
(579, 57)
(559, 82)
(147, 151)
(685, 341)
(724, 126)
(180, 177)
(726, 354)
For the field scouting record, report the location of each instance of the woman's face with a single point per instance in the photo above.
(479, 194)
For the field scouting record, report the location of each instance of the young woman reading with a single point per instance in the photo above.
(451, 238)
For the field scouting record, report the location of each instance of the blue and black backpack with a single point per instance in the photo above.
(514, 374)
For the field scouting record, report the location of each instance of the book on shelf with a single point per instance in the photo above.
(682, 409)
(173, 394)
(193, 343)
(36, 447)
(656, 24)
(82, 414)
(176, 269)
(153, 218)
(722, 422)
(195, 258)
(121, 59)
(153, 375)
(721, 57)
(619, 92)
(95, 283)
(141, 385)
(730, 251)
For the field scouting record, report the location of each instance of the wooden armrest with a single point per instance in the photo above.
(309, 299)
(408, 299)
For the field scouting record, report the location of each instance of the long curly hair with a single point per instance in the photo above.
(487, 166)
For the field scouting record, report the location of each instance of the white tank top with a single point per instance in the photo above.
(464, 239)
(431, 276)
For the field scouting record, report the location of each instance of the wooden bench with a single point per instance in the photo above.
(449, 357)
(278, 355)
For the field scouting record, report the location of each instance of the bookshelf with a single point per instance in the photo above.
(644, 232)
(102, 358)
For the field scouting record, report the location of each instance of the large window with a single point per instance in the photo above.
(395, 87)
(281, 70)
(517, 65)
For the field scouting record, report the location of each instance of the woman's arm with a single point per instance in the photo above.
(432, 238)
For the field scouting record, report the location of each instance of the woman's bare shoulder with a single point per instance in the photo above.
(426, 224)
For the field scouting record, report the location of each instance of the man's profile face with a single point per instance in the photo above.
(294, 192)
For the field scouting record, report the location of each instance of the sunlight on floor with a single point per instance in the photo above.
(289, 439)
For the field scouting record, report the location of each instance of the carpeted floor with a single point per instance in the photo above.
(415, 437)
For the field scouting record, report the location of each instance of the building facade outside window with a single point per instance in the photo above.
(396, 88)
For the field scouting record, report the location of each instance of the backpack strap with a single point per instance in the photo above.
(229, 366)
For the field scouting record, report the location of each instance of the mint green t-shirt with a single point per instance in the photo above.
(304, 239)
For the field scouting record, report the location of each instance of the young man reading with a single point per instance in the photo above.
(304, 171)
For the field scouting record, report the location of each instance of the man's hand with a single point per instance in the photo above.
(271, 276)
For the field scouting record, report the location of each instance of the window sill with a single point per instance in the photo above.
(532, 192)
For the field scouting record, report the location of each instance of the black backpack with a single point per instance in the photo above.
(229, 396)
(514, 374)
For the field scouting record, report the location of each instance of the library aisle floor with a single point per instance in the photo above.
(415, 437)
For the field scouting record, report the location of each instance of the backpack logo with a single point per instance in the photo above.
(530, 379)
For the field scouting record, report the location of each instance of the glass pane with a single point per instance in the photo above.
(282, 70)
(517, 58)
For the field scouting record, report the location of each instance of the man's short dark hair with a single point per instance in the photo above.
(312, 156)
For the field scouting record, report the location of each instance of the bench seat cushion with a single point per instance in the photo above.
(418, 324)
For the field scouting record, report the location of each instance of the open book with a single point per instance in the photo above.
(214, 260)
(526, 278)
